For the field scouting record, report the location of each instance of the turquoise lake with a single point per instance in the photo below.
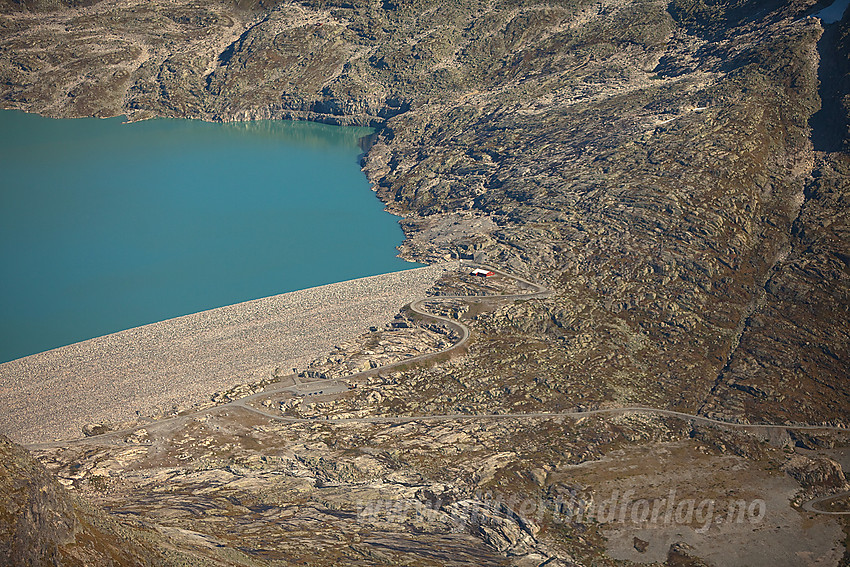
(106, 226)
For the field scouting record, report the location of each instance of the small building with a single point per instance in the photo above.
(482, 273)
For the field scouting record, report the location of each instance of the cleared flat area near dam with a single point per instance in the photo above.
(181, 362)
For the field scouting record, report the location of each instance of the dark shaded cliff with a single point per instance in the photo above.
(42, 524)
(37, 516)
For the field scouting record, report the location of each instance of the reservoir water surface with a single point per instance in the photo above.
(106, 226)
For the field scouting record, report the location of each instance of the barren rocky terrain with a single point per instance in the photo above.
(675, 172)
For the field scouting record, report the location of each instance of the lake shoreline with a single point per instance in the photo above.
(127, 225)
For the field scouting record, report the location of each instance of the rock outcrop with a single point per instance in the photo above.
(38, 516)
(42, 524)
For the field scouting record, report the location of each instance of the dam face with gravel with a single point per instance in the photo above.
(108, 226)
(181, 362)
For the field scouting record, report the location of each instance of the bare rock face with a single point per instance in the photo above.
(37, 516)
(95, 429)
(791, 361)
(682, 555)
(817, 476)
(42, 524)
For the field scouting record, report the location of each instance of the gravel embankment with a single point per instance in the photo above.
(180, 362)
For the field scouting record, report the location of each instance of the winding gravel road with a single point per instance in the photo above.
(301, 387)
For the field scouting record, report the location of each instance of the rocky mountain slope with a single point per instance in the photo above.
(42, 524)
(662, 166)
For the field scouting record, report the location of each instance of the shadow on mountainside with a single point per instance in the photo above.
(829, 124)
